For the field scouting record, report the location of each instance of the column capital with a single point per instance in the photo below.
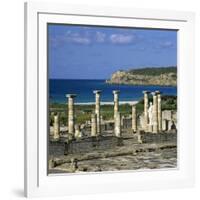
(116, 91)
(158, 92)
(153, 93)
(56, 114)
(70, 95)
(145, 92)
(96, 91)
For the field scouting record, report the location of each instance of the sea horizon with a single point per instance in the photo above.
(83, 88)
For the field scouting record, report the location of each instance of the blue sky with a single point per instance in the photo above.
(91, 52)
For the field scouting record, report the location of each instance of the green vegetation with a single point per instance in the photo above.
(83, 112)
(154, 71)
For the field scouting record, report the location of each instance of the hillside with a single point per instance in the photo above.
(162, 76)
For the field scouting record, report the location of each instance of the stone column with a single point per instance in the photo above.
(146, 103)
(116, 102)
(51, 117)
(155, 113)
(134, 118)
(118, 125)
(71, 113)
(56, 127)
(97, 109)
(159, 111)
(122, 121)
(93, 125)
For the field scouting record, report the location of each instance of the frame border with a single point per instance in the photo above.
(32, 11)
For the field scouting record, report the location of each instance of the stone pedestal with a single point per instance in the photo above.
(116, 102)
(150, 128)
(71, 113)
(155, 113)
(56, 127)
(93, 125)
(134, 118)
(52, 163)
(97, 110)
(78, 133)
(139, 136)
(146, 102)
(170, 125)
(165, 125)
(117, 129)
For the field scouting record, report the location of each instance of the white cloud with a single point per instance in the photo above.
(87, 37)
(81, 40)
(166, 44)
(121, 38)
(100, 37)
(77, 38)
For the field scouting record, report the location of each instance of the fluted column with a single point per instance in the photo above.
(116, 102)
(56, 127)
(155, 113)
(159, 111)
(97, 109)
(117, 129)
(93, 125)
(134, 118)
(71, 113)
(146, 102)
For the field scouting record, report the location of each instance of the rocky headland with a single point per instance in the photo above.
(160, 76)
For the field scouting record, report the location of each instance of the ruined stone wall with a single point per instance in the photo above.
(169, 120)
(56, 148)
(92, 143)
(126, 122)
(158, 138)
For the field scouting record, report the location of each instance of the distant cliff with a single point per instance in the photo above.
(162, 76)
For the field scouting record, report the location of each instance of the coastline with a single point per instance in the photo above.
(84, 90)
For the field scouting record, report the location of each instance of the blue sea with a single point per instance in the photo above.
(84, 89)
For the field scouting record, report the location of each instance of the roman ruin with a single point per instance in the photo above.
(94, 125)
(152, 120)
(124, 132)
(116, 102)
(97, 109)
(134, 118)
(158, 93)
(146, 102)
(71, 113)
(155, 113)
(56, 127)
(117, 130)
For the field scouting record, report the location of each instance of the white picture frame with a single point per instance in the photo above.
(37, 182)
